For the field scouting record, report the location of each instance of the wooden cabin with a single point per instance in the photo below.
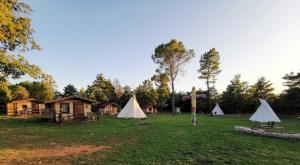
(108, 109)
(24, 107)
(68, 108)
(149, 108)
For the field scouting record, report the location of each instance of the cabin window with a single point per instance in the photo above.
(24, 107)
(65, 107)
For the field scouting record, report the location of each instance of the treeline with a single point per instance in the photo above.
(170, 58)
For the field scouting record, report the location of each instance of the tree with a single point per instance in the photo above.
(163, 91)
(57, 94)
(16, 36)
(118, 88)
(101, 90)
(82, 92)
(20, 93)
(289, 100)
(209, 69)
(48, 88)
(127, 94)
(292, 80)
(263, 89)
(40, 90)
(146, 93)
(70, 90)
(235, 96)
(5, 92)
(171, 58)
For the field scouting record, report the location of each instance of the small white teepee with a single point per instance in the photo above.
(132, 110)
(217, 110)
(264, 113)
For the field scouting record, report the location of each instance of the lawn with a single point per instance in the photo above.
(160, 139)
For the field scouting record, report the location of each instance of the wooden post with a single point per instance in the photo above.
(194, 119)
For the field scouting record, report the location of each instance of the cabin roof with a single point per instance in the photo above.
(22, 100)
(149, 105)
(70, 98)
(107, 104)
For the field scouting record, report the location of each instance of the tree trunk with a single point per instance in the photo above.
(208, 94)
(173, 99)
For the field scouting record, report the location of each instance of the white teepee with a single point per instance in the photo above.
(264, 113)
(217, 110)
(132, 110)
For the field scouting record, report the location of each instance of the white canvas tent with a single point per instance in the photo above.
(264, 113)
(217, 110)
(132, 110)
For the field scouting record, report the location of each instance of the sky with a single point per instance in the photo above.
(81, 39)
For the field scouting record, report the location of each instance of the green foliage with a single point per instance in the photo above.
(127, 94)
(262, 89)
(16, 35)
(146, 93)
(40, 90)
(20, 93)
(209, 69)
(292, 80)
(81, 92)
(171, 58)
(102, 90)
(235, 96)
(289, 100)
(70, 90)
(16, 31)
(163, 91)
(5, 92)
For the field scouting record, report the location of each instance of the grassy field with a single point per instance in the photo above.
(160, 139)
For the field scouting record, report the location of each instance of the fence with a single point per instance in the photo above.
(59, 117)
(23, 111)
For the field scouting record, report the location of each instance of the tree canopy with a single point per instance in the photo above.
(16, 35)
(171, 58)
(70, 90)
(146, 93)
(263, 89)
(234, 97)
(101, 90)
(209, 69)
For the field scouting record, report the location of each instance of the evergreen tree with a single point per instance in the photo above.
(263, 89)
(102, 90)
(127, 94)
(289, 100)
(209, 69)
(163, 91)
(70, 90)
(235, 96)
(146, 94)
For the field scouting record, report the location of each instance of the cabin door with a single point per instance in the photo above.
(78, 109)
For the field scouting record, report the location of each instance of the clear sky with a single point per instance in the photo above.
(117, 37)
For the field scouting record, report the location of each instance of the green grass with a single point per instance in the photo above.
(160, 139)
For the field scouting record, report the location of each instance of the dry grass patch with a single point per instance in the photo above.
(8, 156)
